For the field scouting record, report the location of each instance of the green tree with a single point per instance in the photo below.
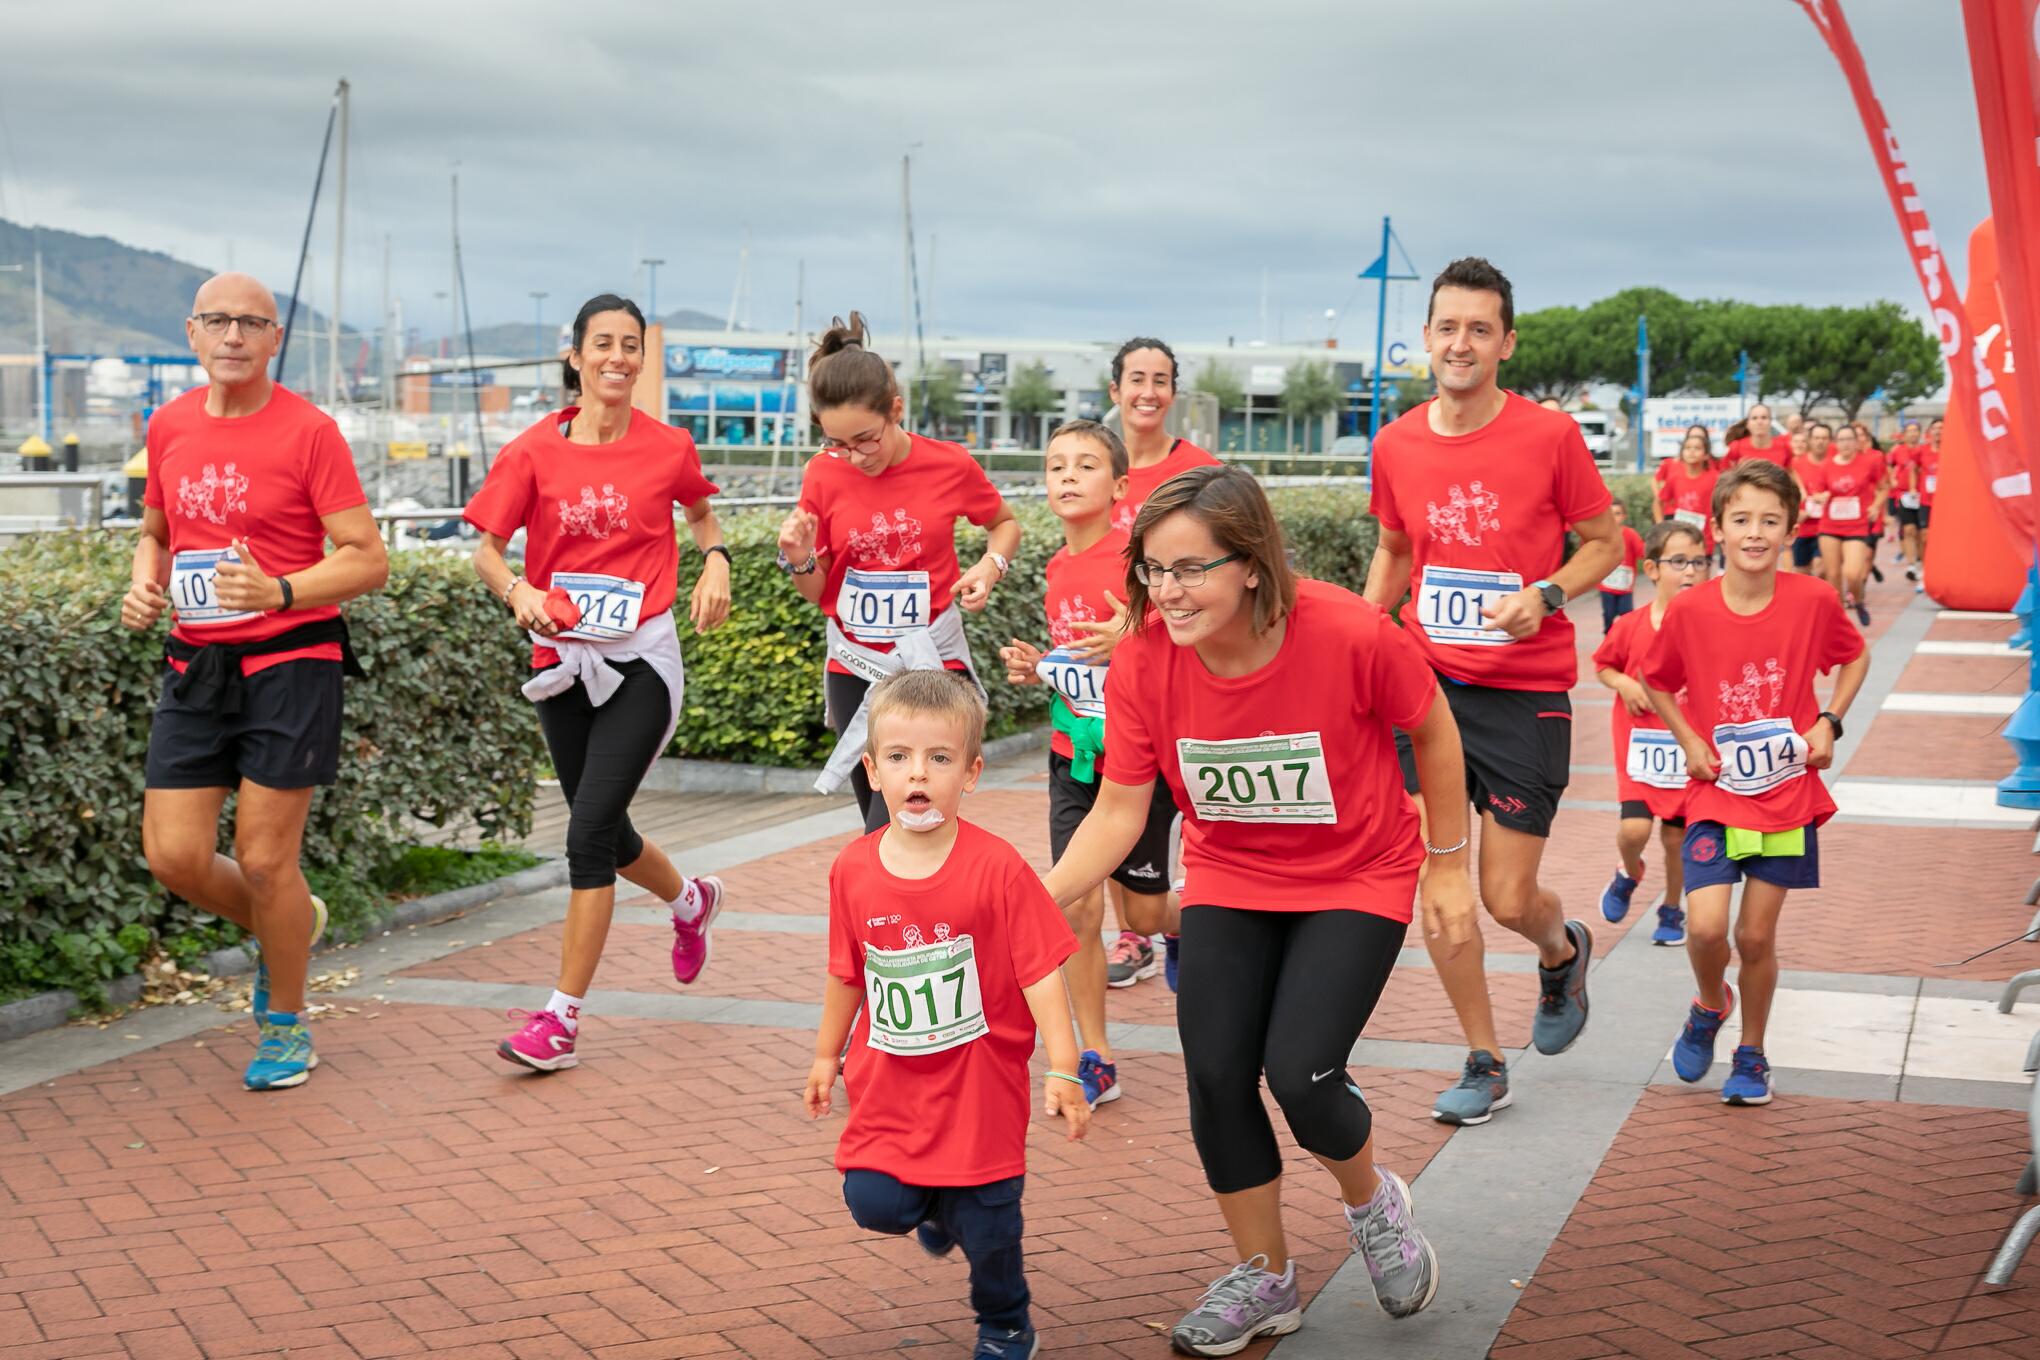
(1403, 393)
(1221, 381)
(939, 393)
(1309, 393)
(1686, 355)
(1555, 355)
(1031, 393)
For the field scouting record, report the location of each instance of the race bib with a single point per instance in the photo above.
(1081, 684)
(1693, 518)
(1755, 757)
(923, 999)
(1622, 578)
(609, 605)
(1845, 508)
(1449, 601)
(883, 605)
(1258, 779)
(1656, 758)
(1909, 499)
(194, 592)
(1933, 478)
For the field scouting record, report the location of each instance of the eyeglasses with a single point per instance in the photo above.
(870, 444)
(216, 323)
(1684, 563)
(1190, 575)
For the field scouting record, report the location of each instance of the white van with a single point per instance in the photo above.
(1598, 428)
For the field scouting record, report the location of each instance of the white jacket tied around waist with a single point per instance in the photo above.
(587, 662)
(924, 649)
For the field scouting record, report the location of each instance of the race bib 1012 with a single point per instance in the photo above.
(1450, 601)
(1656, 758)
(194, 590)
(1081, 684)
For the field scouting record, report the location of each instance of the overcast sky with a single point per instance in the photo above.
(1088, 170)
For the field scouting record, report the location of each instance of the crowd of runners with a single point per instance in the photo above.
(1274, 776)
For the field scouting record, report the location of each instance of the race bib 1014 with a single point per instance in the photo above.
(609, 605)
(1081, 684)
(923, 999)
(883, 605)
(1450, 601)
(194, 591)
(1258, 779)
(1756, 757)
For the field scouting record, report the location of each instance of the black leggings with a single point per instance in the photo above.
(1286, 993)
(844, 693)
(602, 755)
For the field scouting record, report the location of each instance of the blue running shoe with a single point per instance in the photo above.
(1615, 897)
(1483, 1088)
(996, 1343)
(284, 1058)
(1562, 995)
(1172, 945)
(258, 996)
(1693, 1054)
(933, 1240)
(1749, 1078)
(1100, 1078)
(1671, 925)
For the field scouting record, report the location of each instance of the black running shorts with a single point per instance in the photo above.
(1518, 747)
(286, 736)
(1146, 869)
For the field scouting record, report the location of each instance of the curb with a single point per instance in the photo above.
(50, 1010)
(678, 774)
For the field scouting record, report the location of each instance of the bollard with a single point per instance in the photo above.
(35, 455)
(2029, 597)
(70, 453)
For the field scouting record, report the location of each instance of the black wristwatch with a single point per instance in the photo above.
(719, 548)
(1554, 596)
(1833, 722)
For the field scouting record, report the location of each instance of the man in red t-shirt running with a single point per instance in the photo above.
(247, 479)
(1474, 491)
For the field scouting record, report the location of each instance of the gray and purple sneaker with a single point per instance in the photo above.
(1399, 1259)
(1248, 1302)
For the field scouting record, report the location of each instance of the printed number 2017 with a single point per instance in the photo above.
(893, 1004)
(1235, 783)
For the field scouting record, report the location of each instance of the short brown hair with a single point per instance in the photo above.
(842, 372)
(1664, 531)
(1099, 433)
(1763, 475)
(1477, 274)
(1230, 503)
(950, 694)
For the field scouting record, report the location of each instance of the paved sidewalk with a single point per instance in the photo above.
(669, 1197)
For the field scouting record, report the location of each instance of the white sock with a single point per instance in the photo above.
(568, 1009)
(688, 906)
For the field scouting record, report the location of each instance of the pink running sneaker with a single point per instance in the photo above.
(542, 1045)
(690, 941)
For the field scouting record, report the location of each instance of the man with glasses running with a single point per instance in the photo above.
(246, 483)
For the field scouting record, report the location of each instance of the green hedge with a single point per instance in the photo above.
(438, 732)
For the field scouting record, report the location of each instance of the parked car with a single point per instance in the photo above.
(1598, 429)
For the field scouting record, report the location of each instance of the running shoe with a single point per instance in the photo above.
(933, 1240)
(1131, 960)
(1912, 573)
(284, 1058)
(1671, 924)
(258, 996)
(1400, 1260)
(1248, 1302)
(1749, 1078)
(1862, 614)
(1562, 1000)
(1483, 1088)
(1875, 572)
(544, 1045)
(1693, 1054)
(1100, 1078)
(1172, 945)
(1615, 897)
(1022, 1343)
(690, 939)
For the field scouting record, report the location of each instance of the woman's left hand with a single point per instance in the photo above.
(711, 602)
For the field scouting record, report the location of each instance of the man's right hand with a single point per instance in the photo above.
(143, 604)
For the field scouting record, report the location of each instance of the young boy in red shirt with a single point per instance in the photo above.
(1086, 467)
(945, 951)
(1618, 587)
(1746, 649)
(1650, 769)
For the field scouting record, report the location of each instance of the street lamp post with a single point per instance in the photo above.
(42, 349)
(652, 288)
(538, 338)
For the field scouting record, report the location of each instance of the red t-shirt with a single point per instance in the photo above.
(266, 479)
(1807, 469)
(1850, 487)
(1683, 495)
(1622, 580)
(1928, 459)
(1738, 668)
(1305, 809)
(1779, 451)
(1493, 501)
(1903, 459)
(901, 521)
(1077, 584)
(604, 509)
(1142, 481)
(1623, 650)
(959, 1116)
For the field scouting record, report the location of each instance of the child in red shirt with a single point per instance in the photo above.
(945, 951)
(1687, 493)
(1086, 619)
(1650, 770)
(1746, 650)
(1618, 587)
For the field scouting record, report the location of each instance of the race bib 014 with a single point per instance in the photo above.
(194, 591)
(1756, 757)
(1450, 601)
(1258, 779)
(609, 605)
(923, 999)
(1656, 758)
(883, 605)
(1081, 684)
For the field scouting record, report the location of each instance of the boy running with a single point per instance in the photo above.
(1618, 587)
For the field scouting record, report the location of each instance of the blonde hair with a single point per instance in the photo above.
(945, 693)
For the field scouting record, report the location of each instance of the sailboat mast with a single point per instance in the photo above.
(339, 250)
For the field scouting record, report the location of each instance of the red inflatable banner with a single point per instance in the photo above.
(1976, 403)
